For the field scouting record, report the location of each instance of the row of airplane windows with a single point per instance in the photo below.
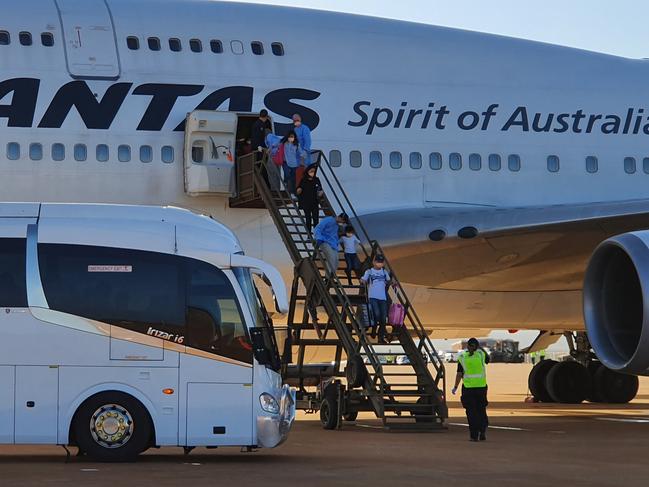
(80, 152)
(196, 45)
(25, 38)
(455, 161)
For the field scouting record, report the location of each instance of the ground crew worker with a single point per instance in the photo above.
(542, 355)
(533, 357)
(472, 371)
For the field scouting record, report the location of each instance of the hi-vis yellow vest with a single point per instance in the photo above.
(475, 371)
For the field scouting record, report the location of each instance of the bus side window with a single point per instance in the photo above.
(133, 289)
(214, 320)
(13, 290)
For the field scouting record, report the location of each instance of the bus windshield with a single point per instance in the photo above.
(245, 281)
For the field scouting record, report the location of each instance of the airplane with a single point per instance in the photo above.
(490, 168)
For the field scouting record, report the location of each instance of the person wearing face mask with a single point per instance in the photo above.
(293, 158)
(303, 133)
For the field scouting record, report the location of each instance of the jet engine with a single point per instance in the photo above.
(616, 302)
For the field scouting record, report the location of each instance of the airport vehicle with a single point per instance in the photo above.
(489, 173)
(499, 350)
(125, 328)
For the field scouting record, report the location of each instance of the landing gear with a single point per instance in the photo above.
(582, 378)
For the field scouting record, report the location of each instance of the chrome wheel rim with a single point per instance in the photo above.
(111, 426)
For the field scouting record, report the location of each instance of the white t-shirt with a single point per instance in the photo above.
(378, 282)
(349, 243)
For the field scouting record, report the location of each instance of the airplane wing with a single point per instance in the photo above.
(500, 249)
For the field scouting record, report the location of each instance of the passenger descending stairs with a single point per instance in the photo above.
(408, 395)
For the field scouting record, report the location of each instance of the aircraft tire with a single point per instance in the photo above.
(568, 382)
(536, 380)
(615, 387)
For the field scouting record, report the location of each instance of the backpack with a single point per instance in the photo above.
(278, 155)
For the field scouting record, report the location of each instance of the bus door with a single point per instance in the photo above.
(209, 153)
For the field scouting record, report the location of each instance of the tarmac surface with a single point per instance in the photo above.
(528, 444)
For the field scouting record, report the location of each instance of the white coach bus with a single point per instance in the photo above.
(125, 327)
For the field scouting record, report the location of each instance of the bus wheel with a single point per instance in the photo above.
(112, 427)
(329, 413)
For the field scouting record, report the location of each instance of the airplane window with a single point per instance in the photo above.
(355, 158)
(553, 163)
(47, 39)
(237, 47)
(25, 39)
(376, 159)
(494, 162)
(5, 38)
(278, 48)
(35, 152)
(102, 153)
(257, 48)
(216, 46)
(196, 45)
(167, 154)
(475, 162)
(58, 152)
(645, 165)
(514, 162)
(435, 161)
(13, 151)
(629, 165)
(146, 153)
(335, 158)
(415, 160)
(591, 164)
(175, 45)
(395, 160)
(455, 161)
(80, 152)
(154, 43)
(133, 43)
(124, 153)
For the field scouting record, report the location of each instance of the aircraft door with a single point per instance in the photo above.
(209, 153)
(89, 39)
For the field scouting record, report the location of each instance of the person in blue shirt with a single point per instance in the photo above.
(272, 143)
(293, 158)
(377, 280)
(326, 236)
(303, 133)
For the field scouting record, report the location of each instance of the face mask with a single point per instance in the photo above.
(291, 139)
(297, 123)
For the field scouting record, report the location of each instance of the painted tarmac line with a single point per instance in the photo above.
(625, 420)
(506, 428)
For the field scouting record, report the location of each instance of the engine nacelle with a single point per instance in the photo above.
(616, 302)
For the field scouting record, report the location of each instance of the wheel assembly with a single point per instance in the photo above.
(568, 382)
(536, 380)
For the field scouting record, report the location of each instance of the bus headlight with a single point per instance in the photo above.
(269, 403)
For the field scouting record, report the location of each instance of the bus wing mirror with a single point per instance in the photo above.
(270, 276)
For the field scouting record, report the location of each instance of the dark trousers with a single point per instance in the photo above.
(353, 264)
(475, 403)
(312, 216)
(289, 178)
(379, 315)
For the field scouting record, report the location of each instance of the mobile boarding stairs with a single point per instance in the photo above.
(325, 311)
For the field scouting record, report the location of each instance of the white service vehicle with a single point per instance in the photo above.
(128, 327)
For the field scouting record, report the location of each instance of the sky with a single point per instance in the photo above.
(613, 27)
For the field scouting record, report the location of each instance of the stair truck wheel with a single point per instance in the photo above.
(112, 427)
(536, 380)
(615, 387)
(329, 413)
(568, 382)
(355, 371)
(350, 416)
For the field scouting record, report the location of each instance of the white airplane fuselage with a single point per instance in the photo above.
(370, 85)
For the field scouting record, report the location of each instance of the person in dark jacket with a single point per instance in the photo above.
(309, 193)
(258, 136)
